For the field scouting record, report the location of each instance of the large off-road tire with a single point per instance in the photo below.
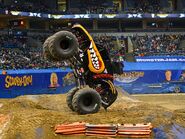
(46, 51)
(63, 45)
(69, 97)
(86, 101)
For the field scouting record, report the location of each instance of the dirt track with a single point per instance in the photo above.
(34, 117)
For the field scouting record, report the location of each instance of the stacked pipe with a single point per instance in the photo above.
(134, 130)
(109, 130)
(101, 130)
(71, 129)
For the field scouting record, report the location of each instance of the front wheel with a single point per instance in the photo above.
(86, 101)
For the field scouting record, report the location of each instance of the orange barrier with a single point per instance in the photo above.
(100, 135)
(101, 129)
(69, 129)
(134, 130)
(107, 130)
(134, 136)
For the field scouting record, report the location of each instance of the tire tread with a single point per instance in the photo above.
(76, 97)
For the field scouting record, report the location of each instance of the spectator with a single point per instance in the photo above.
(16, 54)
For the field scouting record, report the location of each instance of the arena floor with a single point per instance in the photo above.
(34, 117)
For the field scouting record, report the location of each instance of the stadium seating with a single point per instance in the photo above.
(158, 45)
(17, 53)
(91, 7)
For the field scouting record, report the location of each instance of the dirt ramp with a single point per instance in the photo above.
(34, 117)
(51, 102)
(125, 96)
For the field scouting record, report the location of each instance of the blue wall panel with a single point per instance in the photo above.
(153, 74)
(22, 82)
(138, 78)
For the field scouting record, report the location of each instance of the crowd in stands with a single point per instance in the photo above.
(24, 59)
(28, 6)
(101, 9)
(145, 6)
(158, 45)
(42, 7)
(16, 54)
(135, 6)
(114, 45)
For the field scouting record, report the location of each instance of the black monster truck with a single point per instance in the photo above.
(91, 65)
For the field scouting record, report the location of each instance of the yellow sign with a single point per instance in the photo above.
(18, 81)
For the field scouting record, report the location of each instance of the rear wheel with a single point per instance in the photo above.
(86, 100)
(63, 45)
(46, 51)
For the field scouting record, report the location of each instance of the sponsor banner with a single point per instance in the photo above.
(31, 82)
(24, 83)
(96, 16)
(160, 59)
(30, 14)
(151, 81)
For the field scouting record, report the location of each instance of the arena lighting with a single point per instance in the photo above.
(22, 22)
(153, 24)
(162, 15)
(182, 15)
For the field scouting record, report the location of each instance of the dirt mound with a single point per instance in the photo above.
(179, 116)
(36, 116)
(4, 120)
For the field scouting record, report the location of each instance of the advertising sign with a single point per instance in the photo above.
(24, 82)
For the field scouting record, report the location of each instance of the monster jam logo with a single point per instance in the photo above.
(129, 74)
(128, 77)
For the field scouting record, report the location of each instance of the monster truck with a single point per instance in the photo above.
(91, 65)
